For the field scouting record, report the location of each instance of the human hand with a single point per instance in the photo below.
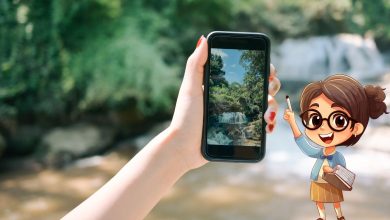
(327, 169)
(187, 122)
(164, 159)
(273, 88)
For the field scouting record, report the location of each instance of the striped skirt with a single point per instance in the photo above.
(324, 192)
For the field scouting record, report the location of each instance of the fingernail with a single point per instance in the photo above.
(272, 116)
(199, 41)
(270, 127)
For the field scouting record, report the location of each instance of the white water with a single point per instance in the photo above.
(326, 55)
(232, 118)
(236, 121)
(215, 137)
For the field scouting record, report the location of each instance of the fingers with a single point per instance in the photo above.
(286, 115)
(272, 70)
(270, 114)
(195, 64)
(273, 88)
(327, 169)
(274, 83)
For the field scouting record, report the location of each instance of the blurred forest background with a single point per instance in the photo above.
(84, 77)
(121, 61)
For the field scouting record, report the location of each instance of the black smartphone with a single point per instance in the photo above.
(235, 96)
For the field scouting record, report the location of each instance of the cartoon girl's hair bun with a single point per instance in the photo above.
(375, 96)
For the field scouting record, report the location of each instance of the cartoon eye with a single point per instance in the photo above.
(314, 120)
(340, 121)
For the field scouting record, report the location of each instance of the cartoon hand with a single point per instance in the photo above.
(273, 88)
(327, 169)
(288, 116)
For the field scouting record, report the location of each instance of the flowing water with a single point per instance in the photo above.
(232, 118)
(232, 128)
(276, 188)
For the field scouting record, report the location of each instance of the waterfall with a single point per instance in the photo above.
(232, 118)
(217, 137)
(326, 55)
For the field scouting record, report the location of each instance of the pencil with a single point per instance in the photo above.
(288, 102)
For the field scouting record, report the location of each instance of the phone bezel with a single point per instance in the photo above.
(235, 40)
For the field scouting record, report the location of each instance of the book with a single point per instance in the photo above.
(341, 178)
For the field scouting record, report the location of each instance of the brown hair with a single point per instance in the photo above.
(361, 102)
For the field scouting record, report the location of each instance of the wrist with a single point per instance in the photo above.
(186, 147)
(172, 151)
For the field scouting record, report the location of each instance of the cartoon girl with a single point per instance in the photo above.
(335, 112)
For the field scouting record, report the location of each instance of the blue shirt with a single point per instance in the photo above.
(316, 152)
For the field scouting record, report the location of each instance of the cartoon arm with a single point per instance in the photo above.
(290, 118)
(300, 139)
(306, 147)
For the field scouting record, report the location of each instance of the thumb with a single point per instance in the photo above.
(195, 64)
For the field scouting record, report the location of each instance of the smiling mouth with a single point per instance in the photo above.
(327, 138)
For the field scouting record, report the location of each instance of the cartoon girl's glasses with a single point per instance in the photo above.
(337, 120)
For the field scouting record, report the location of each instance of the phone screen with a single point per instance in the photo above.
(236, 91)
(236, 102)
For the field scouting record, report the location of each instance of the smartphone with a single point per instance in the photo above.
(235, 96)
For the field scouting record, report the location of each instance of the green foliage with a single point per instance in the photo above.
(234, 97)
(374, 17)
(223, 97)
(30, 61)
(127, 69)
(64, 58)
(293, 18)
(217, 74)
(301, 18)
(187, 20)
(254, 63)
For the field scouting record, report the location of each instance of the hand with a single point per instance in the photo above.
(289, 116)
(187, 121)
(273, 88)
(327, 169)
(164, 159)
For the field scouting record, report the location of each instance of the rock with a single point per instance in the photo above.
(66, 143)
(250, 132)
(234, 132)
(217, 137)
(25, 139)
(17, 164)
(315, 58)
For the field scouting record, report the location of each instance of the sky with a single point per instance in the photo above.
(234, 72)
